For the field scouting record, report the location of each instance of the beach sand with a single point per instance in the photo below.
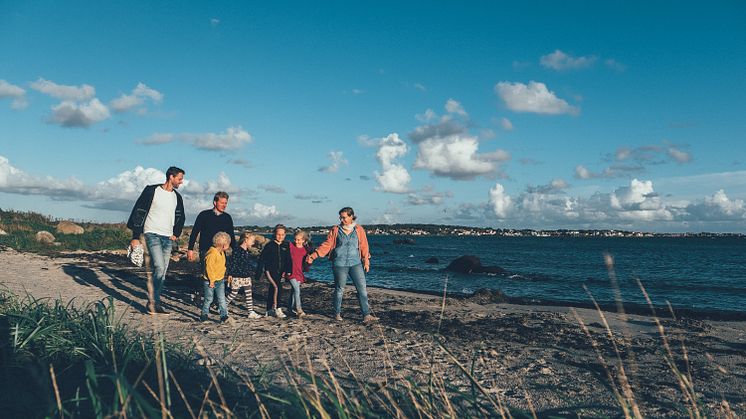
(526, 355)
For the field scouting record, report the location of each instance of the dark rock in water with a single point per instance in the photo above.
(404, 241)
(432, 259)
(471, 264)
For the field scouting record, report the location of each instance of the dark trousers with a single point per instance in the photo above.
(274, 290)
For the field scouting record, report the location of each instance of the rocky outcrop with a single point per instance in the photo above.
(68, 227)
(45, 237)
(468, 264)
(432, 259)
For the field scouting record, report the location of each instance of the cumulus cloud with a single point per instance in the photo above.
(15, 93)
(393, 177)
(231, 139)
(500, 201)
(63, 92)
(15, 180)
(241, 162)
(534, 98)
(137, 97)
(554, 186)
(560, 61)
(426, 116)
(456, 157)
(79, 115)
(615, 65)
(506, 124)
(337, 160)
(718, 207)
(262, 211)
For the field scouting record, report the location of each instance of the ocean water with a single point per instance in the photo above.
(701, 274)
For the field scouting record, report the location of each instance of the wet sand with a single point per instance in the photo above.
(524, 354)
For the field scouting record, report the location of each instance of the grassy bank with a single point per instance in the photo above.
(21, 229)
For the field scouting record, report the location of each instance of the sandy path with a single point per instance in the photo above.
(519, 349)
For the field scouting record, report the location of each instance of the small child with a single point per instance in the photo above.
(276, 263)
(214, 276)
(298, 253)
(241, 268)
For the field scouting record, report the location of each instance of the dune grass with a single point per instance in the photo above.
(62, 361)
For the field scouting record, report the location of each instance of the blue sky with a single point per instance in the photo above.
(610, 115)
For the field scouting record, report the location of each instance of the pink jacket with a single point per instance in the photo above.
(331, 242)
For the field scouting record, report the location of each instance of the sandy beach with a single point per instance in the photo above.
(531, 357)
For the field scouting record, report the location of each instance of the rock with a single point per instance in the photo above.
(68, 227)
(471, 264)
(404, 241)
(432, 259)
(45, 237)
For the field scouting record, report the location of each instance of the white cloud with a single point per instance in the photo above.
(231, 139)
(627, 161)
(534, 97)
(506, 124)
(81, 115)
(420, 87)
(14, 180)
(559, 60)
(455, 107)
(263, 211)
(17, 94)
(394, 177)
(455, 157)
(137, 97)
(64, 92)
(337, 160)
(718, 207)
(214, 21)
(639, 202)
(500, 201)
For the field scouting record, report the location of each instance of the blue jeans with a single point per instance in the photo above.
(159, 248)
(218, 291)
(294, 300)
(358, 278)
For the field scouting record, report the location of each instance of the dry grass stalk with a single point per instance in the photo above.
(56, 391)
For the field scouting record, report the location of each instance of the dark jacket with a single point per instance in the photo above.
(242, 264)
(136, 222)
(276, 259)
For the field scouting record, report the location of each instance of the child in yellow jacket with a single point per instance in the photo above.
(214, 276)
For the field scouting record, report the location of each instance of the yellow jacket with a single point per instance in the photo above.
(214, 265)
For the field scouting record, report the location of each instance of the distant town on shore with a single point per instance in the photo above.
(453, 230)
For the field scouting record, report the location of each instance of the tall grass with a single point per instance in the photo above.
(62, 361)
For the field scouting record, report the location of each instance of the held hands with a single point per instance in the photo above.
(309, 260)
(230, 280)
(190, 255)
(135, 242)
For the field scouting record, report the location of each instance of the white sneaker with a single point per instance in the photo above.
(279, 313)
(254, 315)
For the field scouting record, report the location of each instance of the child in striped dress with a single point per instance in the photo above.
(241, 269)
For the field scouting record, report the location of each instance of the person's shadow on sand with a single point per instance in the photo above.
(89, 278)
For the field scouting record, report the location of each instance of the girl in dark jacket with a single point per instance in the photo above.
(277, 264)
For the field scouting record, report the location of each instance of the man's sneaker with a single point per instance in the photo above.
(203, 318)
(254, 315)
(279, 313)
(223, 319)
(369, 318)
(338, 317)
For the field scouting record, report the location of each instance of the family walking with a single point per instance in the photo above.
(158, 215)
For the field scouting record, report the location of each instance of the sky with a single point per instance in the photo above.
(616, 114)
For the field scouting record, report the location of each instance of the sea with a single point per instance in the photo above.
(691, 274)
